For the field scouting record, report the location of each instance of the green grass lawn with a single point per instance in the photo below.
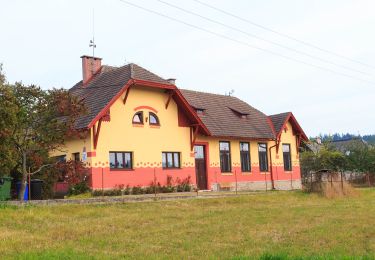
(275, 225)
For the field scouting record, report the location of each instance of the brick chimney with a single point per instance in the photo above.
(90, 66)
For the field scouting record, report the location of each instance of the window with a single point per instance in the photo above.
(225, 161)
(170, 160)
(121, 160)
(75, 157)
(263, 160)
(60, 158)
(154, 120)
(287, 157)
(199, 111)
(245, 157)
(138, 118)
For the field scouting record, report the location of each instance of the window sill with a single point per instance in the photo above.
(170, 168)
(288, 171)
(227, 173)
(155, 126)
(138, 125)
(247, 173)
(264, 172)
(120, 170)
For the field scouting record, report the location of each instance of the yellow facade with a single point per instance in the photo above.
(145, 141)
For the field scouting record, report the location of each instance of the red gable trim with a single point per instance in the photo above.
(146, 107)
(272, 126)
(179, 98)
(296, 127)
(105, 109)
(153, 84)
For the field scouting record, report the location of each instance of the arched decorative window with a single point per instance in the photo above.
(154, 120)
(138, 118)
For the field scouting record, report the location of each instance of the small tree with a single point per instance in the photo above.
(362, 159)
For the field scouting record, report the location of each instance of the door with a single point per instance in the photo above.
(200, 166)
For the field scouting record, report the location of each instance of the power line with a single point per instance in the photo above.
(263, 39)
(242, 42)
(283, 34)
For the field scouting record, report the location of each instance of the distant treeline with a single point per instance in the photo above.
(338, 137)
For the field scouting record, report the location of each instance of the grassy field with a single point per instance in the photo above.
(276, 225)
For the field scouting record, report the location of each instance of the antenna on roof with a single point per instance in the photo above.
(230, 93)
(92, 41)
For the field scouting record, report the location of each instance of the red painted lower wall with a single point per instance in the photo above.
(215, 175)
(107, 179)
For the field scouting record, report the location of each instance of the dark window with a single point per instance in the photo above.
(76, 157)
(225, 161)
(154, 120)
(245, 157)
(287, 157)
(263, 160)
(138, 118)
(171, 159)
(60, 158)
(121, 160)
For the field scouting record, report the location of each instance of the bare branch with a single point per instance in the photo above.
(41, 168)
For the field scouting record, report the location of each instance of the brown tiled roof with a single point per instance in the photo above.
(105, 85)
(278, 120)
(222, 116)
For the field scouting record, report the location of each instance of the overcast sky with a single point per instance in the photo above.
(42, 41)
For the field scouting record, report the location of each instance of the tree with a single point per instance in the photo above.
(40, 122)
(8, 118)
(362, 159)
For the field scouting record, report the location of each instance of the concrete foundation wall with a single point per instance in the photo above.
(259, 185)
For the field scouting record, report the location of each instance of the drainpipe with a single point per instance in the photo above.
(271, 171)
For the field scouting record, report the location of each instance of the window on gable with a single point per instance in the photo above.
(225, 160)
(170, 160)
(263, 160)
(121, 160)
(245, 157)
(287, 157)
(138, 118)
(154, 120)
(199, 111)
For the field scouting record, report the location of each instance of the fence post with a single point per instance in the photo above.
(291, 180)
(342, 184)
(155, 181)
(368, 179)
(235, 176)
(29, 184)
(331, 180)
(102, 183)
(217, 184)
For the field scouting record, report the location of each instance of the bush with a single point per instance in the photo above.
(138, 190)
(182, 186)
(79, 188)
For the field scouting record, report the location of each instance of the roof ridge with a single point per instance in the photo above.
(278, 114)
(131, 70)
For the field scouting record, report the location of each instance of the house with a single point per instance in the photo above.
(141, 127)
